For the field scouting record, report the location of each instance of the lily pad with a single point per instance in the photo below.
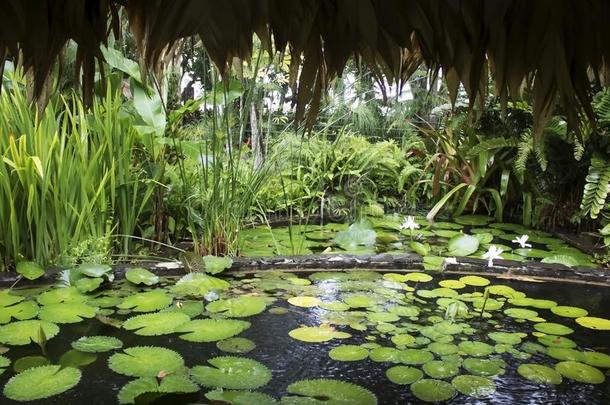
(170, 384)
(29, 270)
(41, 382)
(358, 234)
(59, 295)
(66, 312)
(505, 337)
(139, 275)
(521, 313)
(7, 298)
(556, 341)
(474, 386)
(95, 270)
(551, 328)
(441, 369)
(27, 362)
(580, 372)
(348, 353)
(211, 330)
(566, 260)
(462, 245)
(146, 301)
(97, 344)
(476, 349)
(484, 367)
(569, 312)
(88, 284)
(198, 284)
(240, 397)
(317, 334)
(305, 302)
(215, 264)
(414, 356)
(532, 253)
(145, 361)
(386, 354)
(26, 332)
(594, 323)
(21, 311)
(239, 307)
(232, 373)
(562, 353)
(442, 349)
(431, 390)
(334, 392)
(453, 284)
(160, 323)
(77, 359)
(404, 375)
(596, 359)
(539, 374)
(236, 345)
(418, 277)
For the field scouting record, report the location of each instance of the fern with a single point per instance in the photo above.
(596, 190)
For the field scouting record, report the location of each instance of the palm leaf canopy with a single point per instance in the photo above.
(559, 46)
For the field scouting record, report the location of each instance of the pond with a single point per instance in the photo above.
(326, 337)
(468, 236)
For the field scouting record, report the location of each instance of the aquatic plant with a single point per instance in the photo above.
(41, 382)
(147, 301)
(97, 344)
(25, 332)
(492, 254)
(155, 324)
(334, 392)
(146, 361)
(169, 384)
(138, 275)
(522, 241)
(211, 330)
(232, 373)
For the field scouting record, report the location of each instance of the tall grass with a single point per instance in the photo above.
(67, 182)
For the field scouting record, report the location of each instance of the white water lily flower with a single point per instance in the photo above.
(409, 223)
(492, 254)
(521, 240)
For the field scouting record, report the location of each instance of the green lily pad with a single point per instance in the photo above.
(359, 300)
(334, 306)
(505, 291)
(305, 302)
(462, 245)
(232, 373)
(160, 323)
(505, 337)
(551, 328)
(146, 301)
(198, 284)
(442, 349)
(97, 344)
(562, 353)
(357, 235)
(410, 311)
(386, 354)
(189, 308)
(26, 332)
(453, 284)
(145, 361)
(139, 275)
(422, 249)
(476, 349)
(236, 345)
(77, 359)
(27, 362)
(59, 295)
(431, 390)
(317, 334)
(4, 363)
(520, 313)
(414, 356)
(334, 392)
(569, 312)
(382, 317)
(580, 372)
(211, 330)
(21, 311)
(29, 270)
(239, 307)
(66, 312)
(473, 220)
(484, 367)
(532, 253)
(41, 382)
(441, 369)
(348, 353)
(566, 260)
(404, 375)
(240, 397)
(557, 341)
(95, 270)
(433, 263)
(594, 323)
(474, 386)
(418, 277)
(539, 374)
(170, 384)
(532, 302)
(596, 359)
(6, 298)
(215, 265)
(87, 284)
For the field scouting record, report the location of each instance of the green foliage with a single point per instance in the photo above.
(66, 312)
(41, 382)
(25, 332)
(232, 373)
(596, 190)
(97, 344)
(171, 384)
(139, 275)
(30, 270)
(337, 392)
(161, 323)
(145, 361)
(211, 330)
(239, 307)
(147, 301)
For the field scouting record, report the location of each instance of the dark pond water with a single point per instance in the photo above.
(291, 360)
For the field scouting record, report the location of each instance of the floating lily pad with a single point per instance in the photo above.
(565, 260)
(569, 312)
(441, 369)
(236, 345)
(484, 367)
(505, 337)
(77, 359)
(357, 235)
(29, 270)
(317, 334)
(562, 353)
(145, 361)
(453, 284)
(59, 295)
(26, 332)
(580, 372)
(551, 328)
(239, 307)
(215, 264)
(462, 245)
(473, 220)
(88, 284)
(97, 344)
(520, 313)
(232, 373)
(305, 302)
(360, 300)
(594, 323)
(539, 374)
(139, 275)
(382, 317)
(334, 306)
(21, 311)
(240, 397)
(403, 340)
(404, 375)
(66, 312)
(348, 353)
(476, 349)
(41, 382)
(4, 363)
(442, 349)
(146, 301)
(160, 323)
(334, 392)
(505, 291)
(386, 354)
(211, 330)
(532, 302)
(170, 384)
(474, 386)
(556, 341)
(198, 284)
(418, 277)
(189, 308)
(533, 253)
(596, 359)
(95, 270)
(415, 356)
(6, 298)
(27, 362)
(431, 390)
(410, 311)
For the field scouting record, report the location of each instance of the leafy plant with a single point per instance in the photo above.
(41, 382)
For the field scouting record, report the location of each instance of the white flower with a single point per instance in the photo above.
(211, 296)
(410, 223)
(521, 241)
(492, 254)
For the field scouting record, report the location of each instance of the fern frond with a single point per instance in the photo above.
(596, 189)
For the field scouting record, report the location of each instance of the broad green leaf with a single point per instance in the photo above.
(30, 270)
(41, 382)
